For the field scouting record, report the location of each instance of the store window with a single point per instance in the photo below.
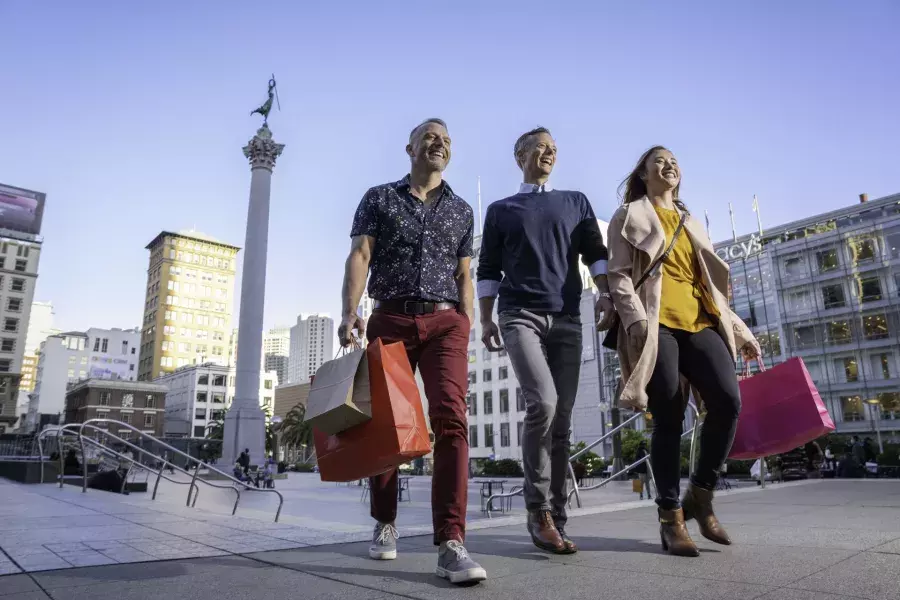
(828, 260)
(833, 296)
(869, 289)
(805, 337)
(889, 402)
(875, 327)
(800, 302)
(862, 250)
(794, 267)
(852, 408)
(881, 366)
(838, 332)
(850, 367)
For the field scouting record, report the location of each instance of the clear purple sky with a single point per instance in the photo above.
(132, 119)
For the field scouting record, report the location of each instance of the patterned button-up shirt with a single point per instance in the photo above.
(417, 247)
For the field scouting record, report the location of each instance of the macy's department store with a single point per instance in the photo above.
(827, 289)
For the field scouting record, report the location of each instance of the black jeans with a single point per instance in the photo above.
(704, 359)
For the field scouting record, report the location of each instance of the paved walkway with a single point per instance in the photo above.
(43, 527)
(815, 541)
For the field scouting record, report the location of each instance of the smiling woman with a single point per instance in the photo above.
(678, 325)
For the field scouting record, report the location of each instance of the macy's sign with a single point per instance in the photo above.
(741, 249)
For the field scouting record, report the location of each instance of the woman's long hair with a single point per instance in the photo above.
(634, 188)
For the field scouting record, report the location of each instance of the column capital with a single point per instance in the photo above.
(261, 150)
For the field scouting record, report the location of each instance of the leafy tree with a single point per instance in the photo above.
(631, 439)
(295, 431)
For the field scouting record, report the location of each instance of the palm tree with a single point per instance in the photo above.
(215, 430)
(295, 431)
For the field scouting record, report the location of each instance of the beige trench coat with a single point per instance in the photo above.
(636, 240)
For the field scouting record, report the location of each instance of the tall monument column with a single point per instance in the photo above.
(245, 422)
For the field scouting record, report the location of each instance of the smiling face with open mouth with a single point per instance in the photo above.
(430, 146)
(662, 172)
(538, 157)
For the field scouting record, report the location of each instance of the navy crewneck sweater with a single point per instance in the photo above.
(531, 244)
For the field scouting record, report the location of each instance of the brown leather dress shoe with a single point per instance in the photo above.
(697, 504)
(674, 534)
(544, 533)
(571, 547)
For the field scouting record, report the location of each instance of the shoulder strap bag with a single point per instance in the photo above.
(611, 340)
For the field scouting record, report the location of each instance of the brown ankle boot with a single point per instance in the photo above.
(544, 533)
(697, 504)
(674, 534)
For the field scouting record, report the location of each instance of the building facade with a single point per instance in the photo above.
(137, 403)
(19, 259)
(199, 395)
(188, 304)
(827, 289)
(67, 358)
(312, 343)
(276, 351)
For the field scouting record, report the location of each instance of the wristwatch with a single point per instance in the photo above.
(606, 295)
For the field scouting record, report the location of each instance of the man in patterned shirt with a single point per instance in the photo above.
(414, 238)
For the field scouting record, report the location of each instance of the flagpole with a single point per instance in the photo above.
(733, 230)
(758, 217)
(480, 224)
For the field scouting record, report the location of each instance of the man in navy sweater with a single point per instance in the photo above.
(529, 255)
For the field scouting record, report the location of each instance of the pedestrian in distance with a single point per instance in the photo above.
(529, 257)
(677, 327)
(413, 238)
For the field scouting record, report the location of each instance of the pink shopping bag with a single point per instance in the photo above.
(781, 410)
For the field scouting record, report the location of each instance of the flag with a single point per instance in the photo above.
(758, 217)
(733, 230)
(706, 212)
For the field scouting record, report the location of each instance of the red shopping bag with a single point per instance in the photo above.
(397, 432)
(781, 410)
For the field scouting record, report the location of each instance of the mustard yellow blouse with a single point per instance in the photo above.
(685, 302)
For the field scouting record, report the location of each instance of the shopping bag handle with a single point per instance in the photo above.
(352, 346)
(759, 360)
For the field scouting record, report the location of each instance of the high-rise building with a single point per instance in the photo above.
(40, 326)
(19, 257)
(312, 343)
(187, 310)
(70, 357)
(276, 351)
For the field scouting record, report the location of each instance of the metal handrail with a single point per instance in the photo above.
(190, 458)
(69, 429)
(193, 490)
(575, 490)
(636, 463)
(693, 431)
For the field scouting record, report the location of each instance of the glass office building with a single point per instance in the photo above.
(827, 289)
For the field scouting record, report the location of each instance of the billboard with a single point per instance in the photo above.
(21, 210)
(104, 367)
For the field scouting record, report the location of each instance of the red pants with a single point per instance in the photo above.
(437, 344)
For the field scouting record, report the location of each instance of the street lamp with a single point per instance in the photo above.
(875, 406)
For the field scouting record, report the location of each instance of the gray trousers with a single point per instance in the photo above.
(545, 352)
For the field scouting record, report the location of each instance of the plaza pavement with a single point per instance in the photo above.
(816, 540)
